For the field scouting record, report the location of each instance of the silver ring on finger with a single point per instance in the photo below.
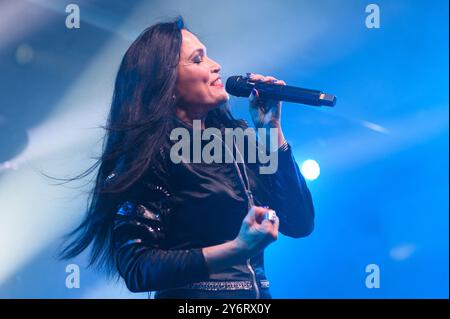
(271, 215)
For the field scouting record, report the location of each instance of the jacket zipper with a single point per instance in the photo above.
(250, 203)
(255, 284)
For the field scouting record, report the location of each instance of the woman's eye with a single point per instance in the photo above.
(198, 59)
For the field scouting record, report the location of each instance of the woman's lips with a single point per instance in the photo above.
(217, 82)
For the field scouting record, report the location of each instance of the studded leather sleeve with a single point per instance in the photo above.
(142, 260)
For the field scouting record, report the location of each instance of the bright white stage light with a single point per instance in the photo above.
(310, 169)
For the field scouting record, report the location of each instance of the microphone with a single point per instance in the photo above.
(240, 86)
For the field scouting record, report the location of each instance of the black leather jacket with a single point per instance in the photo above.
(176, 209)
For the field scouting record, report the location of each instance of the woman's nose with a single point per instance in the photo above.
(215, 68)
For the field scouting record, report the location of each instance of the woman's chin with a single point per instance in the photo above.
(218, 100)
(223, 98)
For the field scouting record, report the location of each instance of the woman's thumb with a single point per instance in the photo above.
(253, 95)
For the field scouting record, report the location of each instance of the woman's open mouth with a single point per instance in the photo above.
(217, 82)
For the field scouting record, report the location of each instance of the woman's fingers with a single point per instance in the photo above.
(276, 225)
(268, 79)
(269, 225)
(265, 79)
(259, 213)
(255, 77)
(254, 99)
(261, 78)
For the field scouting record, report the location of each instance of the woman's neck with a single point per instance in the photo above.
(188, 116)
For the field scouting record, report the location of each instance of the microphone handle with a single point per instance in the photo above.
(289, 94)
(241, 86)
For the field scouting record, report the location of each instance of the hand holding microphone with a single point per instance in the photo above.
(242, 86)
(265, 94)
(265, 112)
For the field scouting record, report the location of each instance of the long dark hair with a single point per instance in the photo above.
(139, 121)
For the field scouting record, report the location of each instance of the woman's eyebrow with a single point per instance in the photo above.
(199, 50)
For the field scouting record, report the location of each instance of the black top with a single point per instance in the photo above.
(176, 209)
